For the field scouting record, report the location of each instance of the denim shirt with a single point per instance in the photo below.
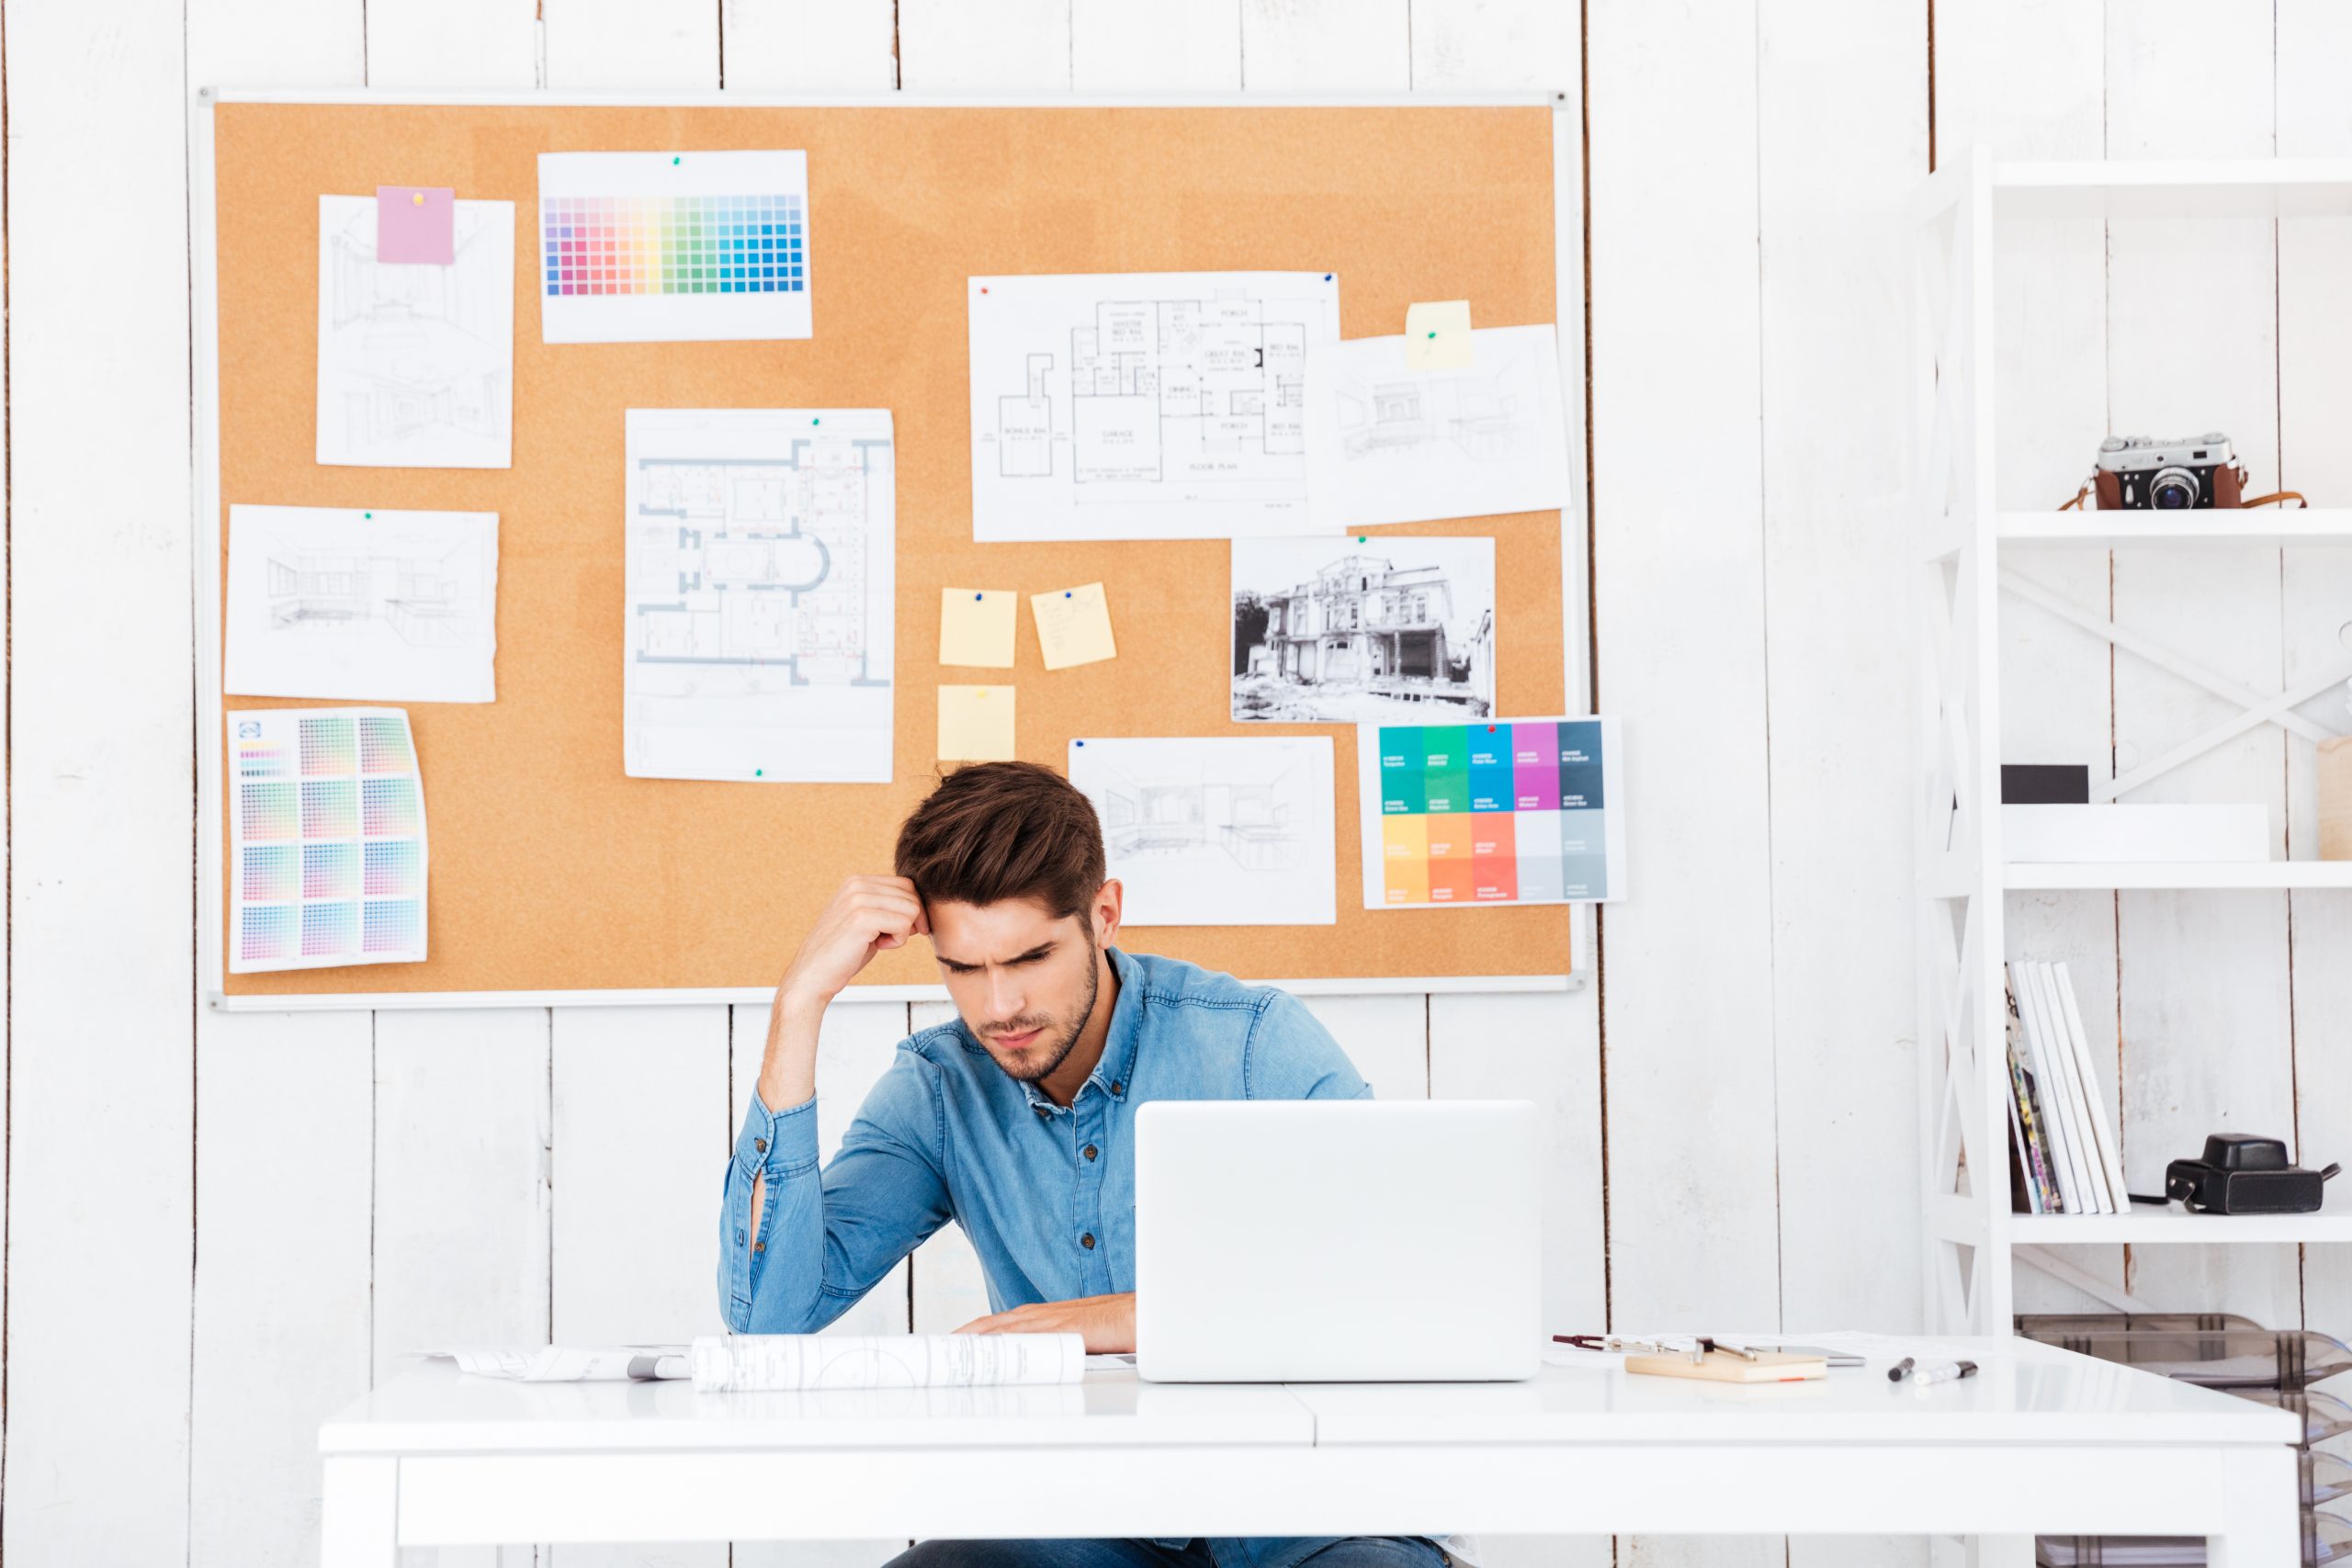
(1045, 1192)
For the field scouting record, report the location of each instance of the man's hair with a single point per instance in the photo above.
(998, 830)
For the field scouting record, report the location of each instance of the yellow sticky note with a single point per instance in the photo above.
(1437, 336)
(975, 723)
(975, 626)
(1073, 625)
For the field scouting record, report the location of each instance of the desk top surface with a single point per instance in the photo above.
(2024, 1393)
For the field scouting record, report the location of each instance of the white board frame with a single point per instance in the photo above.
(1568, 293)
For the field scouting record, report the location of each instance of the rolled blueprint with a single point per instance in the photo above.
(723, 1364)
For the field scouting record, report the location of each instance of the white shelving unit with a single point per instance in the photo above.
(1962, 877)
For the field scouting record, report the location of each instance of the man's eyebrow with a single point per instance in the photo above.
(1037, 951)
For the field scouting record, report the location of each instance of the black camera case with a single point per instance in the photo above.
(2245, 1174)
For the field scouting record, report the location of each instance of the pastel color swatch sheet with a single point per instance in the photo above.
(975, 626)
(1073, 625)
(663, 247)
(1520, 811)
(976, 724)
(327, 848)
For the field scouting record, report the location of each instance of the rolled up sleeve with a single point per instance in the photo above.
(824, 1239)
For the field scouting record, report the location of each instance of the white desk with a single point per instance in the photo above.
(2041, 1440)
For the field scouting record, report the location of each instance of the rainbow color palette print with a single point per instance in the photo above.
(326, 838)
(1500, 811)
(673, 247)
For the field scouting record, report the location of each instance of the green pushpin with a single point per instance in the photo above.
(673, 157)
(758, 772)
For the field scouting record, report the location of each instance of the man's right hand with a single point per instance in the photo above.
(868, 915)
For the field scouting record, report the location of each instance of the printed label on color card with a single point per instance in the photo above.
(1516, 811)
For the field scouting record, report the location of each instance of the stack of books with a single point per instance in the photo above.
(2066, 1159)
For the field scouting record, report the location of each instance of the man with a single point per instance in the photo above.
(1016, 1120)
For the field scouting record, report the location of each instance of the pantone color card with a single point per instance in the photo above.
(1502, 811)
(326, 838)
(672, 247)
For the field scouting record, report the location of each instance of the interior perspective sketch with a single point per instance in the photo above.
(415, 362)
(1239, 812)
(427, 595)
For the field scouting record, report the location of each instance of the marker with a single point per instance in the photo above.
(1943, 1371)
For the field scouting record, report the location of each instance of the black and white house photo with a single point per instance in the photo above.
(1355, 629)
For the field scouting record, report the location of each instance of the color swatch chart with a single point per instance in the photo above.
(671, 244)
(673, 247)
(1518, 811)
(327, 849)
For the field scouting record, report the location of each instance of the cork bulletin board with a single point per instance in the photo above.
(552, 872)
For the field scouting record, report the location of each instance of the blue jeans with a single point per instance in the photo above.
(1355, 1552)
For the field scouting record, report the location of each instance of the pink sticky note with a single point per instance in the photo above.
(416, 223)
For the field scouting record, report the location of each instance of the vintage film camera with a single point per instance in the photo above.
(2147, 473)
(2242, 1174)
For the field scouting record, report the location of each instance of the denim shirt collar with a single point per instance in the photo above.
(1113, 1073)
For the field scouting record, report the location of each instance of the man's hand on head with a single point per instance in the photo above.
(868, 915)
(1108, 1323)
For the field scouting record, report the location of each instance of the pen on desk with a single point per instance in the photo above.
(1944, 1373)
(1896, 1372)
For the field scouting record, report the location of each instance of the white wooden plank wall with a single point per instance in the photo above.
(263, 1212)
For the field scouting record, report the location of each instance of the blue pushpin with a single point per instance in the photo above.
(977, 598)
(1066, 592)
(1078, 742)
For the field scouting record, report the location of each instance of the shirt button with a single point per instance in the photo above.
(1087, 1241)
(761, 1144)
(1089, 1151)
(1117, 1088)
(1041, 1110)
(759, 1246)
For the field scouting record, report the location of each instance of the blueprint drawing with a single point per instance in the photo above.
(417, 363)
(367, 607)
(760, 569)
(1148, 405)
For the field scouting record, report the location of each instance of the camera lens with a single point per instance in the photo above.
(2172, 489)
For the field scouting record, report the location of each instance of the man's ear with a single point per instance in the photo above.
(1107, 899)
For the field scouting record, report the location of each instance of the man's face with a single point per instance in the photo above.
(1023, 980)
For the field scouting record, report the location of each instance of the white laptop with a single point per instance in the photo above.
(1303, 1241)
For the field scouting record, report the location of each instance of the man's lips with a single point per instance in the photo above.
(1016, 1042)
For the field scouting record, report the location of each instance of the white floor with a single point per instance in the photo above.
(248, 1219)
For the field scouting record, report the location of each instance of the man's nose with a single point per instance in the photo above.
(1004, 995)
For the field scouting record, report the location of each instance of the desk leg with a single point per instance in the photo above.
(1999, 1551)
(2264, 1527)
(359, 1516)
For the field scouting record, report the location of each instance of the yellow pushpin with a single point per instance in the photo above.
(417, 196)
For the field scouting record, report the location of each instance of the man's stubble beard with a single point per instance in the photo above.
(1069, 1042)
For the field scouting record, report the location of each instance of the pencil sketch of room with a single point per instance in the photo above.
(425, 593)
(415, 347)
(1241, 815)
(1478, 413)
(1361, 626)
(761, 564)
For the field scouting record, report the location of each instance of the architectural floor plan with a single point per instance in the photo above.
(760, 571)
(1148, 405)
